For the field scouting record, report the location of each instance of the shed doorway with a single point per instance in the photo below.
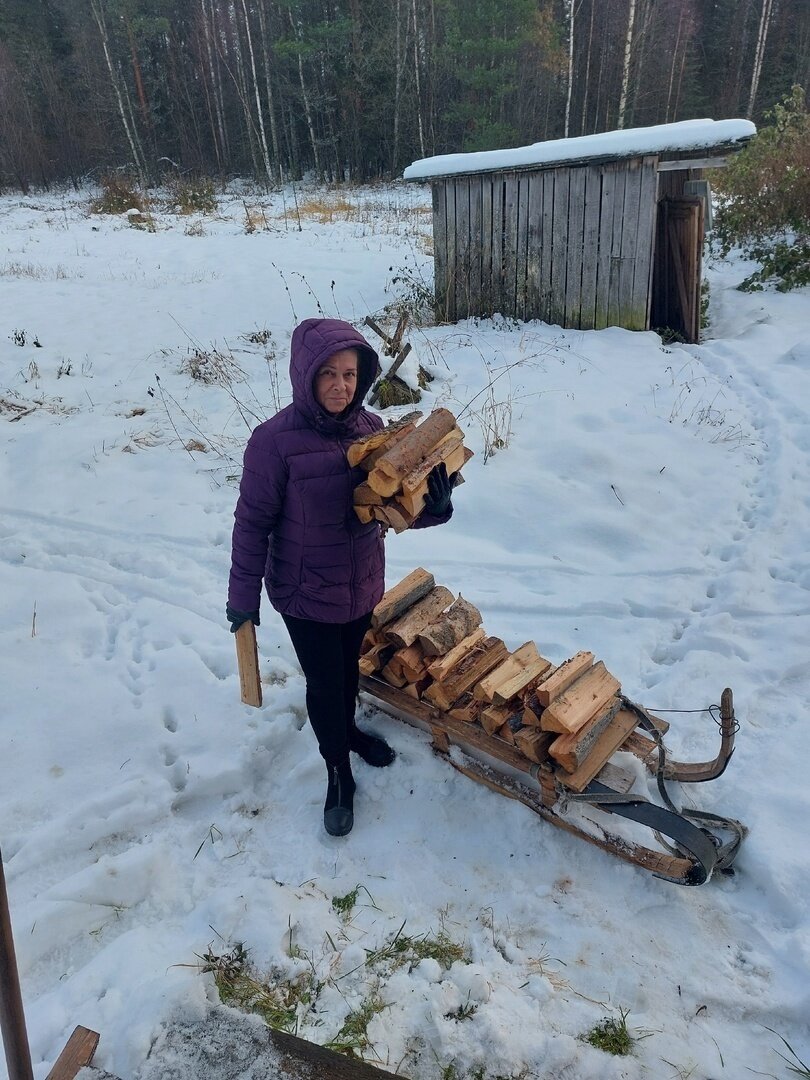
(677, 267)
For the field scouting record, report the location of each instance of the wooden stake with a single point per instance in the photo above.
(247, 657)
(12, 1017)
(78, 1052)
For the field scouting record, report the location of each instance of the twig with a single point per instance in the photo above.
(615, 492)
(34, 621)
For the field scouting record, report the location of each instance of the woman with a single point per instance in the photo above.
(296, 528)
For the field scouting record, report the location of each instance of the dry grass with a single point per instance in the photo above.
(37, 272)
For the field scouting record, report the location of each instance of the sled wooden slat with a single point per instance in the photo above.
(247, 657)
(78, 1052)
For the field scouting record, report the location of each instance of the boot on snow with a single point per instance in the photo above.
(371, 748)
(338, 810)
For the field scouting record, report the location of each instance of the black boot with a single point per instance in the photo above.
(371, 748)
(338, 810)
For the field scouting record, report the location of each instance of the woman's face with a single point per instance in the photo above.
(336, 381)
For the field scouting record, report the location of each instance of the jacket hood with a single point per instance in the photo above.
(313, 342)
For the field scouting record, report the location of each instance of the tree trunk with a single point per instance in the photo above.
(418, 80)
(259, 112)
(305, 96)
(98, 15)
(271, 108)
(628, 48)
(583, 127)
(762, 36)
(571, 16)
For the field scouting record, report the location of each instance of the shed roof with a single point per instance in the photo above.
(686, 138)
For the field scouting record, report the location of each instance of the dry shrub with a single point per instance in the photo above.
(327, 208)
(212, 367)
(119, 194)
(192, 195)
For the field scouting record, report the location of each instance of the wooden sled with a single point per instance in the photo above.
(693, 844)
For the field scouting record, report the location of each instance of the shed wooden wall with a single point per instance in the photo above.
(569, 245)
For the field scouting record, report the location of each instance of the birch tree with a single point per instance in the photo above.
(628, 49)
(762, 37)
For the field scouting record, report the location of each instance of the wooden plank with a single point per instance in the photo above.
(402, 596)
(571, 750)
(442, 667)
(486, 246)
(642, 277)
(534, 226)
(463, 298)
(605, 244)
(616, 229)
(574, 256)
(521, 681)
(568, 672)
(522, 244)
(559, 246)
(546, 246)
(452, 269)
(78, 1052)
(629, 316)
(405, 630)
(609, 741)
(438, 190)
(247, 660)
(496, 285)
(510, 245)
(475, 230)
(590, 247)
(587, 696)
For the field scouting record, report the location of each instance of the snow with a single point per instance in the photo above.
(686, 135)
(651, 505)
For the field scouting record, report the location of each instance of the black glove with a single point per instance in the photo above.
(440, 490)
(236, 618)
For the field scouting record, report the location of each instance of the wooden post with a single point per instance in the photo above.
(12, 1017)
(247, 657)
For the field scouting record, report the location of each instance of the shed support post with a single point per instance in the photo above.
(12, 1017)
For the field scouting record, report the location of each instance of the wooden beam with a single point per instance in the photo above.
(78, 1052)
(247, 659)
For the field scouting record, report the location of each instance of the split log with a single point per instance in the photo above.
(414, 486)
(393, 677)
(416, 689)
(247, 660)
(364, 496)
(455, 625)
(411, 661)
(512, 667)
(374, 658)
(534, 743)
(394, 516)
(522, 681)
(466, 709)
(442, 667)
(493, 717)
(532, 710)
(467, 673)
(361, 448)
(609, 741)
(370, 462)
(509, 731)
(406, 629)
(567, 673)
(402, 596)
(406, 455)
(366, 513)
(571, 750)
(585, 698)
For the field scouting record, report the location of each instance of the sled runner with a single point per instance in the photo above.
(695, 844)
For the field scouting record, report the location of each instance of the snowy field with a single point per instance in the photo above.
(652, 504)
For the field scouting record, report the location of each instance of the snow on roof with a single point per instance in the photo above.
(687, 135)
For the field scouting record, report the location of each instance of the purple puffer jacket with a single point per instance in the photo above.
(294, 521)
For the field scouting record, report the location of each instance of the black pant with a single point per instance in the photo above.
(328, 654)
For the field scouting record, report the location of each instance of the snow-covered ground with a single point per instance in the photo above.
(652, 505)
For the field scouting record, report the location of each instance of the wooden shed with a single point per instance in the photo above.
(602, 230)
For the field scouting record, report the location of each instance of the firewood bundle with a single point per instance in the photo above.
(432, 647)
(398, 460)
